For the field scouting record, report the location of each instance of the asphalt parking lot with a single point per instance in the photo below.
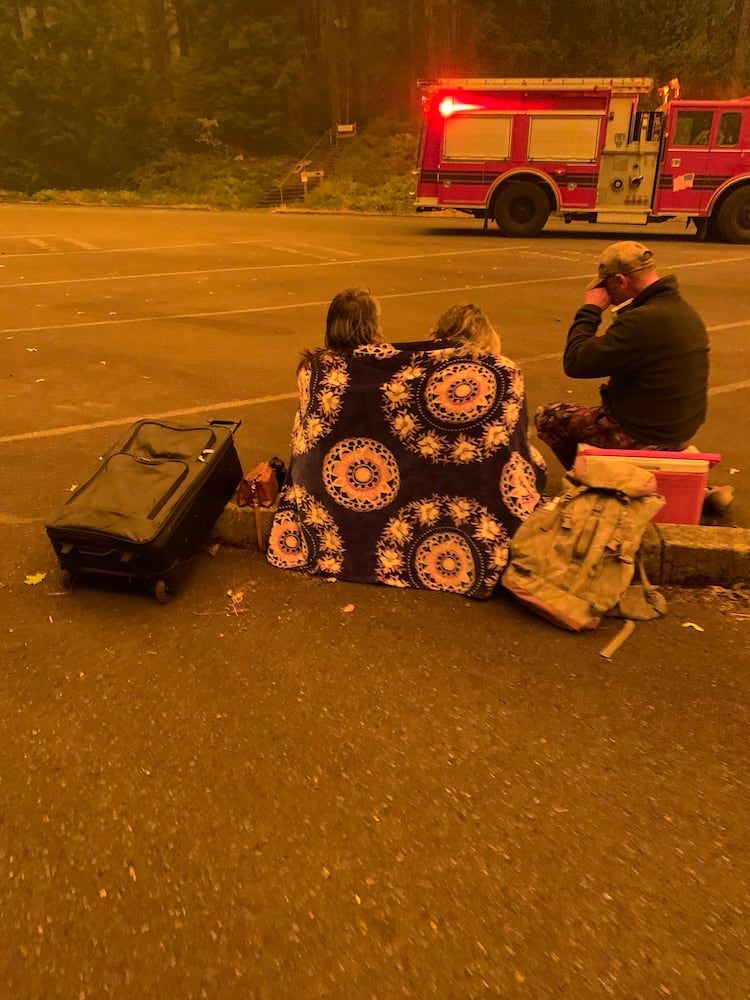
(112, 314)
(257, 794)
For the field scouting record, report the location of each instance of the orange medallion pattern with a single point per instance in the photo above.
(361, 474)
(448, 543)
(452, 411)
(410, 466)
(518, 486)
(304, 535)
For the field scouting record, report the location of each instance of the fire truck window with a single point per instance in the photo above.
(693, 128)
(477, 137)
(563, 139)
(729, 128)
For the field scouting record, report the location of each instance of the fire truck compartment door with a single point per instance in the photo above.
(477, 137)
(563, 138)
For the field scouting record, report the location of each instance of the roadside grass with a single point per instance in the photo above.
(370, 172)
(393, 197)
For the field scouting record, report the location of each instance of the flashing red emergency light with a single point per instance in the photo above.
(449, 106)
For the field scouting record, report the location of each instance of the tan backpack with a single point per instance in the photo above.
(573, 559)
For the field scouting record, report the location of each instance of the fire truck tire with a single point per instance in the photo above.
(734, 216)
(521, 209)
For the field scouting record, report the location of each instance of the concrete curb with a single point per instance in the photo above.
(675, 554)
(697, 556)
(236, 526)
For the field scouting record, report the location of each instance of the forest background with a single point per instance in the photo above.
(215, 101)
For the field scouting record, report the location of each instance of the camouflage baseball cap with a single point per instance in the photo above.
(625, 257)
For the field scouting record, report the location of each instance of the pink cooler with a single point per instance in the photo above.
(681, 477)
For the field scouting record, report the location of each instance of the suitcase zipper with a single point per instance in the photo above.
(176, 482)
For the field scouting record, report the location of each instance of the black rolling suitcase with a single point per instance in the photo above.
(150, 505)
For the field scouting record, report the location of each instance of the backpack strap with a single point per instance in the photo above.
(586, 537)
(641, 601)
(611, 648)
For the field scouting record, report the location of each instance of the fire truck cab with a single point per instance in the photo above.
(606, 150)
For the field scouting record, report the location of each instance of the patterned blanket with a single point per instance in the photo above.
(410, 466)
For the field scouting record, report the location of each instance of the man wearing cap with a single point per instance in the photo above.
(655, 354)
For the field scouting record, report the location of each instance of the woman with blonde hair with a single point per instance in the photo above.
(467, 326)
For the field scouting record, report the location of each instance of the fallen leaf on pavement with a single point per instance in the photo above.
(698, 628)
(347, 608)
(34, 578)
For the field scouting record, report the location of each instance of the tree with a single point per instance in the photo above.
(74, 92)
(91, 90)
(740, 59)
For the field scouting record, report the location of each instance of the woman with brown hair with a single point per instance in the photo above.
(353, 321)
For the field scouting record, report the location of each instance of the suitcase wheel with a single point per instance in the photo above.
(162, 592)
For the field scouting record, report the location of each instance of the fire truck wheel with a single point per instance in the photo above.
(521, 209)
(734, 216)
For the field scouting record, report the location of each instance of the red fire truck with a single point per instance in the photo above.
(519, 150)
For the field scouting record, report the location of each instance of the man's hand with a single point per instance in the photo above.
(598, 297)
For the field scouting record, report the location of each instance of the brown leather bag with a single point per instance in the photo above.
(258, 488)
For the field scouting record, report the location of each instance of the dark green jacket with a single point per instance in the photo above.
(656, 356)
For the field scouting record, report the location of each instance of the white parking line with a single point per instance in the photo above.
(89, 248)
(235, 404)
(728, 326)
(720, 390)
(334, 250)
(312, 304)
(300, 251)
(250, 310)
(82, 244)
(240, 268)
(42, 244)
(204, 272)
(533, 359)
(166, 415)
(162, 319)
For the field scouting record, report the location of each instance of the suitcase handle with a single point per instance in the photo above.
(234, 425)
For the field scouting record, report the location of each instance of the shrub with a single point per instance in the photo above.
(370, 172)
(207, 178)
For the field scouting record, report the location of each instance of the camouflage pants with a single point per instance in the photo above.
(563, 426)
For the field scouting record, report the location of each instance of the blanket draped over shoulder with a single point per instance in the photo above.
(410, 466)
